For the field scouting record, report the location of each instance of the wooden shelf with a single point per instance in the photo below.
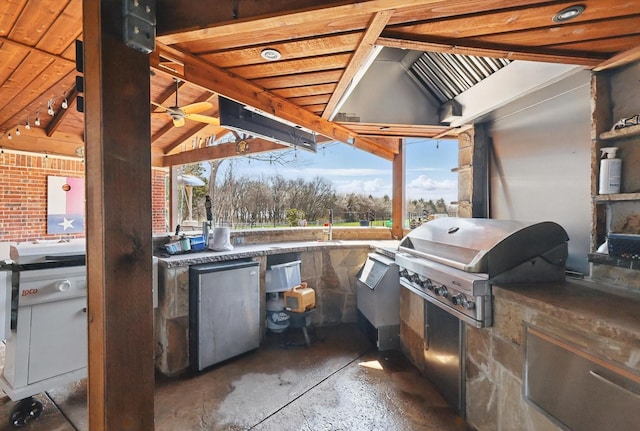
(625, 132)
(616, 197)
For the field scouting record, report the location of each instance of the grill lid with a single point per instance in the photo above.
(483, 245)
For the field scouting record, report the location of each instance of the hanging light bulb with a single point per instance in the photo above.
(17, 131)
(50, 107)
(27, 125)
(65, 104)
(37, 122)
(9, 137)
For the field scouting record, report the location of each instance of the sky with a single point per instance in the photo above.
(428, 169)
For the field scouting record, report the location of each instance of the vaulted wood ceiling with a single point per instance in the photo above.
(217, 50)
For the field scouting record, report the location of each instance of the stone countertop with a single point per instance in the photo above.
(581, 303)
(253, 250)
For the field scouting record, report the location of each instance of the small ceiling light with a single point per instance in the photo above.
(65, 104)
(271, 54)
(50, 107)
(27, 125)
(17, 131)
(9, 137)
(568, 13)
(37, 122)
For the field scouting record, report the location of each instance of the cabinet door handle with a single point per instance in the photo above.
(611, 383)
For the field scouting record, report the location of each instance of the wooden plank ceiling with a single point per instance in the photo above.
(323, 44)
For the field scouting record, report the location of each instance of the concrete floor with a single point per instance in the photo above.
(340, 383)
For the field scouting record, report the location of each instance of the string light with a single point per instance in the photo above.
(9, 137)
(27, 125)
(37, 122)
(65, 104)
(17, 131)
(50, 107)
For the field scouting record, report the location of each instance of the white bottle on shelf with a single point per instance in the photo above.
(610, 171)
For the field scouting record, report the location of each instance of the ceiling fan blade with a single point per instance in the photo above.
(203, 119)
(161, 106)
(178, 121)
(196, 108)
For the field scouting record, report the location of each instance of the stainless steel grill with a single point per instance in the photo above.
(453, 262)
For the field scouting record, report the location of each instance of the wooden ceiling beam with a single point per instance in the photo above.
(188, 134)
(59, 117)
(29, 48)
(212, 78)
(221, 151)
(466, 47)
(182, 21)
(620, 59)
(358, 59)
(374, 148)
(168, 92)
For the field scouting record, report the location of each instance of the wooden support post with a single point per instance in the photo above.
(118, 227)
(397, 202)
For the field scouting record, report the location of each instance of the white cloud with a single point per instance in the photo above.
(428, 188)
(376, 187)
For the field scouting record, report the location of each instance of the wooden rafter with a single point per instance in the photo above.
(39, 51)
(212, 78)
(463, 47)
(364, 49)
(184, 137)
(59, 117)
(180, 28)
(621, 59)
(221, 151)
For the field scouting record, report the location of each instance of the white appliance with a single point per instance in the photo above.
(45, 315)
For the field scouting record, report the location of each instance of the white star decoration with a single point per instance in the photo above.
(66, 223)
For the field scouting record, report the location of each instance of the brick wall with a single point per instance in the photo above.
(159, 200)
(23, 195)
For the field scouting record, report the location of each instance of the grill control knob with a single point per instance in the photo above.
(63, 285)
(427, 284)
(441, 291)
(404, 273)
(462, 300)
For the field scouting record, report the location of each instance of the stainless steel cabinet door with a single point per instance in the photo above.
(227, 312)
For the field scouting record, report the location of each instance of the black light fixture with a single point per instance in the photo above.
(569, 13)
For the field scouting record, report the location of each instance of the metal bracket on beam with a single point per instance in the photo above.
(139, 28)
